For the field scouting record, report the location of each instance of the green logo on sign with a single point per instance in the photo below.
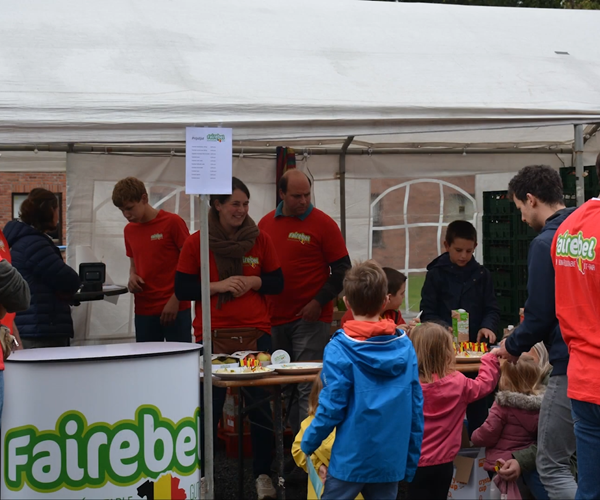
(76, 455)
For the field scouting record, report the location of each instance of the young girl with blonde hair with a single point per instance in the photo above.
(513, 420)
(322, 455)
(446, 394)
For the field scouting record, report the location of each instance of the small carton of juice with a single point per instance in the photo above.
(460, 325)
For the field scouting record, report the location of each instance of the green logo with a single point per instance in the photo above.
(215, 137)
(576, 247)
(76, 455)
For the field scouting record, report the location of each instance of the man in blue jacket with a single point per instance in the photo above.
(537, 193)
(371, 395)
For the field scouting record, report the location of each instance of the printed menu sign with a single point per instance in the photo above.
(208, 160)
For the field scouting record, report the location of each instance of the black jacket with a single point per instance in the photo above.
(51, 281)
(449, 287)
(540, 323)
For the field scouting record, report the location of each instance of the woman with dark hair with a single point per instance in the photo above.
(47, 322)
(244, 268)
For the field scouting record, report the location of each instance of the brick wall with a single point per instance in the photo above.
(423, 206)
(22, 182)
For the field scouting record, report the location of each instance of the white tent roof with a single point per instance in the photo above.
(141, 70)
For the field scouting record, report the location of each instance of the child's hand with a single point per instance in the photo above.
(510, 471)
(323, 473)
(488, 334)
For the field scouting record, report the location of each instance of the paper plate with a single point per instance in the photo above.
(471, 358)
(297, 368)
(237, 373)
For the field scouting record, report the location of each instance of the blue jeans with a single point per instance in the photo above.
(532, 481)
(149, 329)
(556, 441)
(336, 489)
(587, 432)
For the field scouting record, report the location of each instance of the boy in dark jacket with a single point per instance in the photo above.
(455, 280)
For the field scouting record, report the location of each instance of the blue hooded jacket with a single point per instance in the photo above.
(450, 287)
(372, 397)
(540, 323)
(39, 261)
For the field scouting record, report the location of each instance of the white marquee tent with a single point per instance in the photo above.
(425, 90)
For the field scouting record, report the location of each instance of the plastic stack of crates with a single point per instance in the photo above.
(506, 242)
(590, 183)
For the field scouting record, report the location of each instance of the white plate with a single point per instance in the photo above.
(239, 374)
(471, 358)
(298, 368)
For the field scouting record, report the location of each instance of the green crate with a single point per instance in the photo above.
(522, 230)
(522, 251)
(497, 203)
(497, 253)
(503, 278)
(497, 227)
(569, 179)
(507, 303)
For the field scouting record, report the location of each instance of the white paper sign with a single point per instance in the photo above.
(208, 161)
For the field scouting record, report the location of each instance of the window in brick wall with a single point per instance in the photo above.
(377, 221)
(18, 198)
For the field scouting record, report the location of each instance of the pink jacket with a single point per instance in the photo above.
(511, 425)
(444, 405)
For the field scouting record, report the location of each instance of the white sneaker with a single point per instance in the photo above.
(202, 488)
(264, 487)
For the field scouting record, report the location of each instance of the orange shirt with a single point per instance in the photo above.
(248, 311)
(9, 319)
(395, 316)
(305, 248)
(577, 278)
(155, 247)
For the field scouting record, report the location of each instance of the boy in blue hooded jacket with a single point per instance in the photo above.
(371, 395)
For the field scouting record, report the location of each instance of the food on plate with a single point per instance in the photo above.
(470, 349)
(263, 356)
(245, 369)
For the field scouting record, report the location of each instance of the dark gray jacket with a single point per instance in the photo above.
(14, 290)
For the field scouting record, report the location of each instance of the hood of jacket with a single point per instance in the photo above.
(531, 402)
(383, 354)
(556, 219)
(15, 230)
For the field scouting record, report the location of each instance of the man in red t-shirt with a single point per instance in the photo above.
(577, 279)
(314, 260)
(153, 241)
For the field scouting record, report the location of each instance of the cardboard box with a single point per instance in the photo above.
(460, 325)
(470, 481)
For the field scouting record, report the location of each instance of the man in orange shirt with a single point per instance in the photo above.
(153, 241)
(314, 260)
(577, 271)
(9, 319)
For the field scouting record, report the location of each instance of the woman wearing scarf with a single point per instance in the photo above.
(243, 269)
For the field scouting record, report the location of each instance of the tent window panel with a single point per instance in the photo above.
(377, 214)
(458, 207)
(392, 253)
(19, 198)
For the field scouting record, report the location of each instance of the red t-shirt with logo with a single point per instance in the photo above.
(9, 319)
(577, 279)
(155, 247)
(305, 249)
(248, 311)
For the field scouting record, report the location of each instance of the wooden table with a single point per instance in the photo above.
(275, 383)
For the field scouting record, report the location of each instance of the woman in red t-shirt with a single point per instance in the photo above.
(243, 269)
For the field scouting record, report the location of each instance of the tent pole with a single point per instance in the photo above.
(342, 170)
(578, 154)
(207, 404)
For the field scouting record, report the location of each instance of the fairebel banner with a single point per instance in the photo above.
(125, 428)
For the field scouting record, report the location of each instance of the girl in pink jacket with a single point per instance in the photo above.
(513, 420)
(446, 394)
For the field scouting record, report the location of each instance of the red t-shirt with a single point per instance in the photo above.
(248, 311)
(395, 316)
(577, 279)
(155, 247)
(9, 319)
(305, 249)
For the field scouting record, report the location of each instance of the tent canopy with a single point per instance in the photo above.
(142, 70)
